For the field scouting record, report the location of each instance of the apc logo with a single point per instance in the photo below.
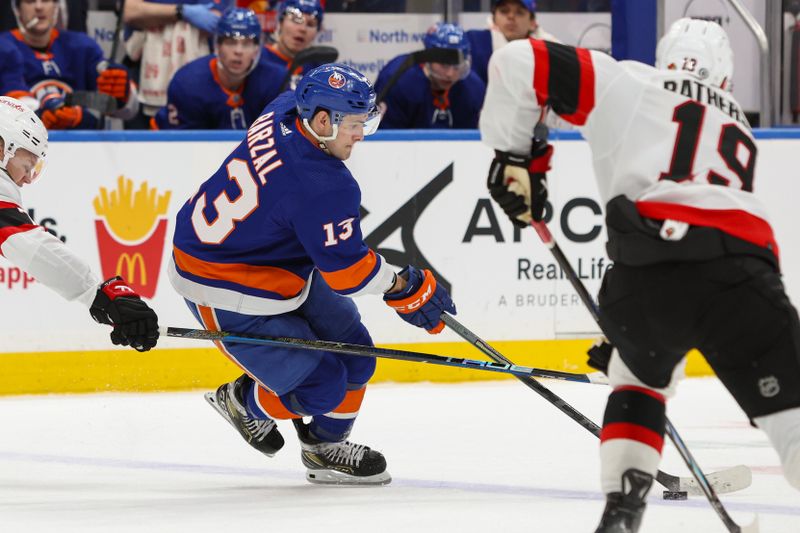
(131, 228)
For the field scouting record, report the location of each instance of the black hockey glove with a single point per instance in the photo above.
(519, 184)
(135, 324)
(600, 354)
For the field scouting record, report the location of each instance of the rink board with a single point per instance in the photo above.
(113, 197)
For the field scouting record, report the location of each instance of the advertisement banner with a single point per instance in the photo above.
(423, 203)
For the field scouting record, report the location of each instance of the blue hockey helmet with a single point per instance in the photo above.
(530, 5)
(239, 22)
(444, 35)
(301, 7)
(341, 90)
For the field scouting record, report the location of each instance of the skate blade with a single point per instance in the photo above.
(211, 398)
(332, 477)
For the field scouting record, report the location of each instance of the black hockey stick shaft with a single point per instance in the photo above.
(373, 351)
(446, 56)
(547, 238)
(312, 54)
(669, 481)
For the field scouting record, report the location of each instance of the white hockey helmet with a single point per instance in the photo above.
(21, 128)
(699, 47)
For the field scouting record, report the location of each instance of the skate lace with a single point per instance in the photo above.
(259, 428)
(345, 453)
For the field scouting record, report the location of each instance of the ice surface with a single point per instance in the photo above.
(465, 458)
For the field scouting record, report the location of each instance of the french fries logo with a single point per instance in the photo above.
(130, 233)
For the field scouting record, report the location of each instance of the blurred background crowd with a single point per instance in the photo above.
(214, 64)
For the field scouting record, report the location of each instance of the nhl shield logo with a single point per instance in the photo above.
(336, 80)
(769, 386)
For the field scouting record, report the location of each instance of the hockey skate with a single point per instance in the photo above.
(623, 512)
(340, 463)
(263, 435)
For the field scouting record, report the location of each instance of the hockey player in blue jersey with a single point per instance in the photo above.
(433, 95)
(57, 62)
(511, 20)
(226, 90)
(299, 22)
(271, 244)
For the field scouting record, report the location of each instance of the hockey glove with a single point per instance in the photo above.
(600, 354)
(135, 324)
(201, 17)
(422, 301)
(519, 184)
(56, 115)
(113, 81)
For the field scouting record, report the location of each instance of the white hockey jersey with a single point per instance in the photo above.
(680, 149)
(37, 252)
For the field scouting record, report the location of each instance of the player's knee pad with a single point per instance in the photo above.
(783, 430)
(620, 375)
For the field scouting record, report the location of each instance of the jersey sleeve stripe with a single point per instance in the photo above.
(267, 278)
(8, 231)
(585, 90)
(564, 79)
(353, 276)
(13, 220)
(736, 222)
(541, 74)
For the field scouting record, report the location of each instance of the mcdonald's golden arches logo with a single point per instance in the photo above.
(131, 228)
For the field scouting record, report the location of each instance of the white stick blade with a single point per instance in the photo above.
(723, 482)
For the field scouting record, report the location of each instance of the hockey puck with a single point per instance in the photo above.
(676, 495)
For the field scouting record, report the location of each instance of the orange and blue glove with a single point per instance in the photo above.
(422, 301)
(114, 81)
(57, 116)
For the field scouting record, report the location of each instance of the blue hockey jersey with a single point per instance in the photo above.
(411, 102)
(68, 64)
(12, 83)
(277, 209)
(481, 48)
(196, 98)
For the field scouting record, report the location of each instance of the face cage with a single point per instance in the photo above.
(464, 69)
(370, 125)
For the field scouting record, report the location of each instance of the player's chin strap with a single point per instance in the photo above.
(320, 138)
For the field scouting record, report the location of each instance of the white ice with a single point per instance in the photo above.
(491, 456)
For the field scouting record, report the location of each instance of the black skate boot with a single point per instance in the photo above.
(623, 513)
(263, 435)
(340, 463)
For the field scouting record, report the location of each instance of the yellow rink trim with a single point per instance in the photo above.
(206, 368)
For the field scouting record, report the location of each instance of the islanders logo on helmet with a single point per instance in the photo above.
(336, 80)
(341, 90)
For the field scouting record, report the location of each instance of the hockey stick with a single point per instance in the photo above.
(312, 54)
(728, 480)
(446, 56)
(383, 353)
(547, 238)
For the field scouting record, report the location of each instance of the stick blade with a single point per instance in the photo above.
(752, 527)
(725, 481)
